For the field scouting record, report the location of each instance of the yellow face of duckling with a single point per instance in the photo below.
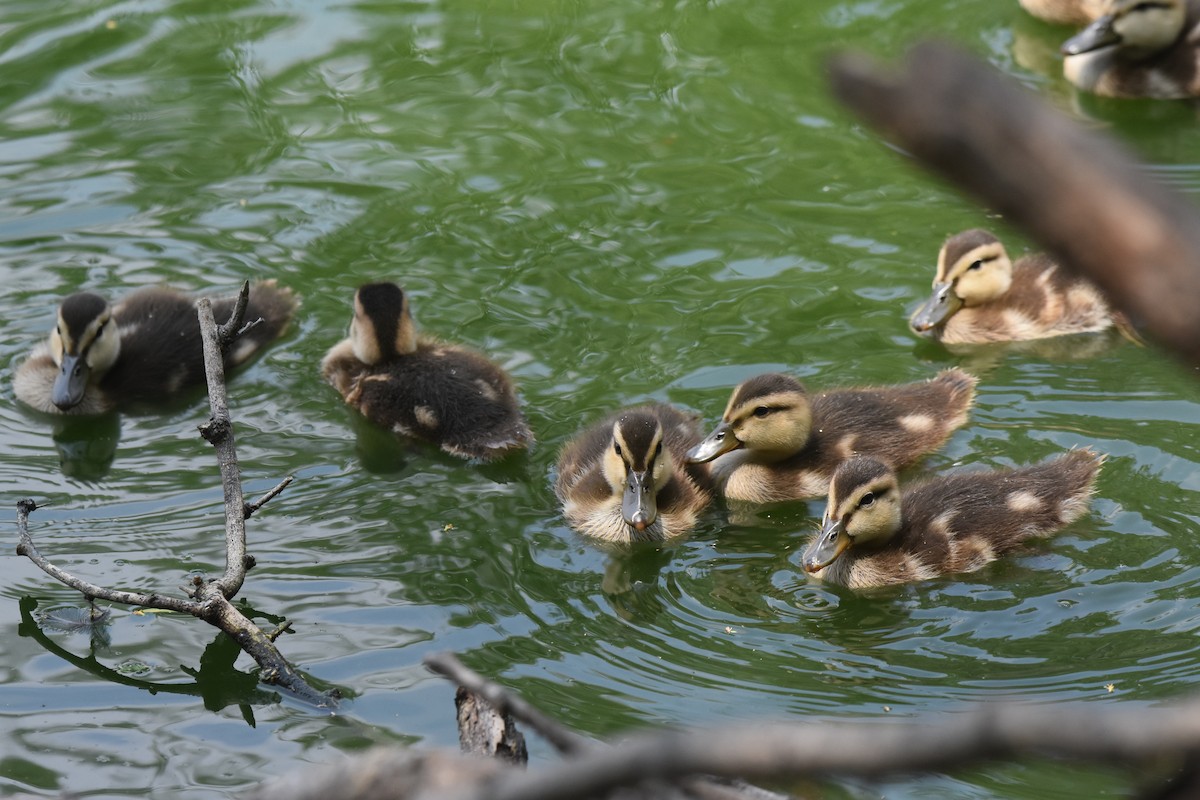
(84, 345)
(1136, 28)
(637, 466)
(382, 327)
(863, 510)
(768, 415)
(973, 269)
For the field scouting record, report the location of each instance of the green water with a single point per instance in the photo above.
(619, 201)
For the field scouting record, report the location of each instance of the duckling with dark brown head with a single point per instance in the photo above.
(776, 442)
(980, 295)
(422, 388)
(625, 479)
(143, 349)
(872, 535)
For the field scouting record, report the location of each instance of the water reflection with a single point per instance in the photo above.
(86, 445)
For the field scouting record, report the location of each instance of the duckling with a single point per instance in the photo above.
(980, 295)
(776, 443)
(1065, 12)
(422, 388)
(143, 349)
(1138, 49)
(625, 479)
(873, 536)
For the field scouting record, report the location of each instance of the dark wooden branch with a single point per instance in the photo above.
(563, 739)
(1075, 191)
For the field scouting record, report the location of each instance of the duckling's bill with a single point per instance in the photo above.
(71, 381)
(638, 504)
(940, 306)
(1100, 33)
(717, 443)
(827, 546)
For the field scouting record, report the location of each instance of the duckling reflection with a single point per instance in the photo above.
(86, 446)
(872, 535)
(144, 349)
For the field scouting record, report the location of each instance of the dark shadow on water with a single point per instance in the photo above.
(382, 452)
(631, 581)
(217, 683)
(86, 445)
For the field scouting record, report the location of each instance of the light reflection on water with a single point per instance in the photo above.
(619, 203)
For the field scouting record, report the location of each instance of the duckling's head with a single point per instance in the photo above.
(637, 466)
(382, 327)
(973, 268)
(863, 510)
(84, 344)
(1135, 28)
(768, 415)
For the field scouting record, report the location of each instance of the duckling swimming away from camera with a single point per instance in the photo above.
(1138, 49)
(980, 295)
(872, 535)
(776, 442)
(625, 479)
(1065, 12)
(419, 387)
(143, 349)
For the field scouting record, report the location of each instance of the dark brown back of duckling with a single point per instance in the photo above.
(446, 395)
(441, 393)
(161, 350)
(896, 424)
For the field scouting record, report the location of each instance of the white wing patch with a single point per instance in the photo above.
(1023, 501)
(426, 417)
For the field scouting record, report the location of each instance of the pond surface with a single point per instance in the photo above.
(620, 201)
